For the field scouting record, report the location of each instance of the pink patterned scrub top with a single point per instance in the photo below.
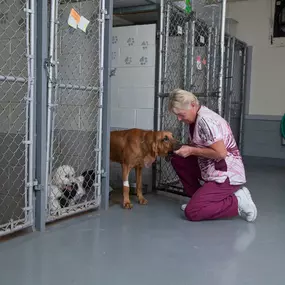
(208, 129)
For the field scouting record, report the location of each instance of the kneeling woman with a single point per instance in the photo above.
(213, 157)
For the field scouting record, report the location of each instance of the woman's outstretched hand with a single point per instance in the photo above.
(184, 151)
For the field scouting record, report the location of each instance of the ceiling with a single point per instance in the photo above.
(133, 3)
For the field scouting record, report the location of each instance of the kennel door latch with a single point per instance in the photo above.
(37, 186)
(103, 173)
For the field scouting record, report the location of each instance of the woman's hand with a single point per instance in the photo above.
(184, 151)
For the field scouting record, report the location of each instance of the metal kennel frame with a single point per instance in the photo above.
(75, 98)
(197, 55)
(52, 106)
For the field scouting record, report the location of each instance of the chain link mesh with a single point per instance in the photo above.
(15, 108)
(75, 111)
(191, 61)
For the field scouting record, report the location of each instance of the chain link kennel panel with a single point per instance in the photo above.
(16, 114)
(190, 58)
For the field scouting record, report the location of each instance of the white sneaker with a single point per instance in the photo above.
(246, 207)
(183, 207)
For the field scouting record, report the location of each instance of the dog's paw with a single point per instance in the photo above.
(127, 205)
(143, 201)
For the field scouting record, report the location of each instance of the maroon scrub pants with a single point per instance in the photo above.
(210, 201)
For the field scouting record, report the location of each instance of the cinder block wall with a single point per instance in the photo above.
(133, 86)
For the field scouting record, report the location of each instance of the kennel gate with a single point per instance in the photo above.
(191, 59)
(75, 91)
(17, 40)
(234, 86)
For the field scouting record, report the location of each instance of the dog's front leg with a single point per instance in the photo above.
(140, 196)
(126, 187)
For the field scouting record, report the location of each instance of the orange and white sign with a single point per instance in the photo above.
(73, 19)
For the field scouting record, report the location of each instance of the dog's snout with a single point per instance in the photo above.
(177, 146)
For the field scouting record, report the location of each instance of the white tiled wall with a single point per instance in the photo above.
(133, 85)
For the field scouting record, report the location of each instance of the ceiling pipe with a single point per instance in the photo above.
(135, 9)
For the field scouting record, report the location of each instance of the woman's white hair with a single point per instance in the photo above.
(181, 99)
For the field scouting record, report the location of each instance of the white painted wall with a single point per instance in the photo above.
(133, 85)
(267, 94)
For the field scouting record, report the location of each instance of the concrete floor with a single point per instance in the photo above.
(155, 245)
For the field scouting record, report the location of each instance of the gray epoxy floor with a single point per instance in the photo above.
(155, 245)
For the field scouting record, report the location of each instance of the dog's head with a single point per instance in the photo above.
(64, 176)
(163, 143)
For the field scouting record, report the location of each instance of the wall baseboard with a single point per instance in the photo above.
(263, 117)
(264, 161)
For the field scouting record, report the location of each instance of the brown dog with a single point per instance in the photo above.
(136, 148)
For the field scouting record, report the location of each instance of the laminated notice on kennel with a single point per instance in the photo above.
(83, 24)
(179, 30)
(73, 19)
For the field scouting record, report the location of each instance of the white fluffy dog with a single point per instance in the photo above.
(66, 189)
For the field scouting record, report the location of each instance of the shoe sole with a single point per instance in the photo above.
(248, 196)
(181, 208)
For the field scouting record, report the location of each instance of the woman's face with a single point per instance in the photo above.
(187, 116)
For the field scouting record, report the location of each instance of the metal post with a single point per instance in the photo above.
(186, 55)
(214, 85)
(106, 104)
(193, 22)
(208, 78)
(41, 108)
(160, 64)
(50, 68)
(186, 40)
(231, 78)
(165, 69)
(243, 87)
(53, 113)
(28, 185)
(223, 28)
(227, 76)
(101, 93)
(32, 104)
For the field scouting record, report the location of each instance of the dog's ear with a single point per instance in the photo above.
(155, 148)
(80, 179)
(156, 142)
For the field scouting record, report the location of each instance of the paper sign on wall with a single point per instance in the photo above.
(77, 21)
